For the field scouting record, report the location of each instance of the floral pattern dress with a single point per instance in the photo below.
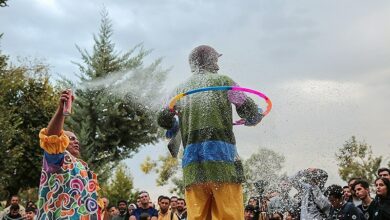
(67, 189)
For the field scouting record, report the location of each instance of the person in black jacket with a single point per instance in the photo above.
(381, 204)
(341, 210)
(362, 191)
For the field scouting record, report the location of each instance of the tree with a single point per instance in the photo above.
(5, 135)
(29, 194)
(355, 159)
(27, 102)
(3, 59)
(179, 188)
(120, 186)
(262, 167)
(166, 167)
(112, 123)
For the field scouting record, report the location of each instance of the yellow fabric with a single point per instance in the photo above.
(101, 207)
(100, 202)
(166, 216)
(215, 201)
(53, 144)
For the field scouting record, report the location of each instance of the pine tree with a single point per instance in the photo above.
(113, 127)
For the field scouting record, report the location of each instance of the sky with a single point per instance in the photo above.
(324, 64)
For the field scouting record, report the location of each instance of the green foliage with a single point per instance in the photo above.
(134, 196)
(169, 167)
(355, 159)
(264, 165)
(120, 187)
(3, 58)
(111, 126)
(104, 59)
(148, 165)
(29, 194)
(27, 102)
(179, 188)
(3, 61)
(166, 167)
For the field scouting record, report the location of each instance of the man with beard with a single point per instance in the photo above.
(181, 209)
(123, 214)
(165, 213)
(145, 208)
(13, 213)
(14, 201)
(362, 191)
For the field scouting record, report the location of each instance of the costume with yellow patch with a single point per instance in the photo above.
(68, 188)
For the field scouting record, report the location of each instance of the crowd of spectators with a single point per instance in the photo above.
(167, 208)
(359, 199)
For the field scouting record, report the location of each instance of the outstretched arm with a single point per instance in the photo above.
(52, 139)
(298, 181)
(57, 121)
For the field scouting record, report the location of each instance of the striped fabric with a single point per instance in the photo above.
(217, 151)
(205, 121)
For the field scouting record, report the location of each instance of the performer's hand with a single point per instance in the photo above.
(255, 119)
(56, 123)
(66, 95)
(240, 122)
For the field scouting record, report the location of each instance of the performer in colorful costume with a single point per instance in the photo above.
(68, 188)
(211, 166)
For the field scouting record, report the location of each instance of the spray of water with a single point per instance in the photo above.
(143, 85)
